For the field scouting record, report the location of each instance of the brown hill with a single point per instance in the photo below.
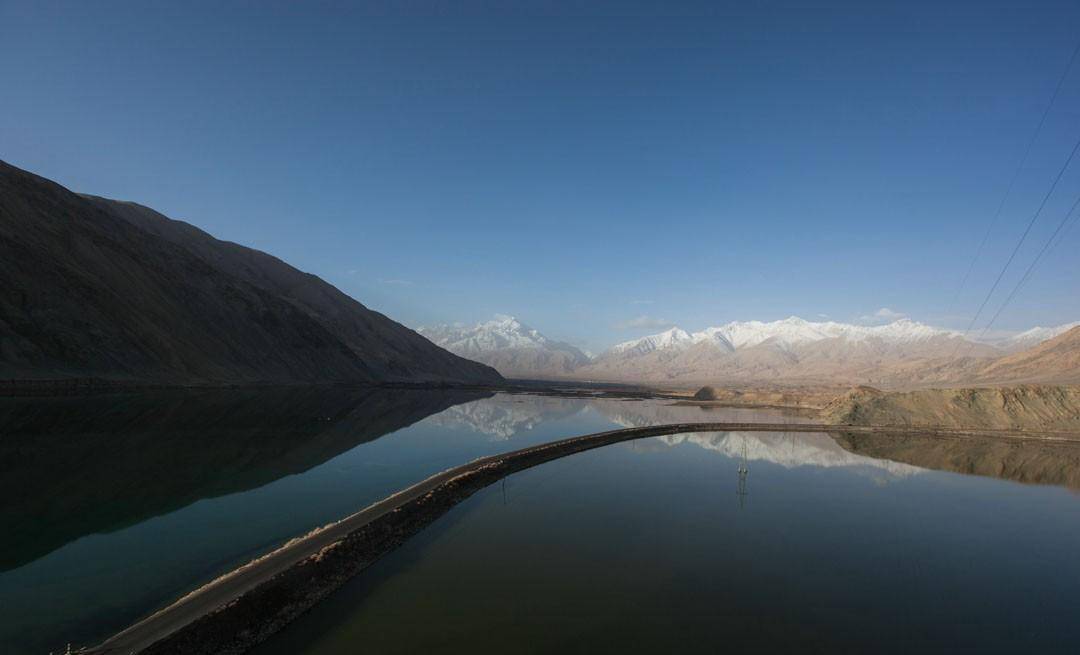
(548, 363)
(940, 361)
(1024, 407)
(828, 361)
(1056, 360)
(95, 287)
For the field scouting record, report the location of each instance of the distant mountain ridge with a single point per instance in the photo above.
(511, 347)
(1035, 336)
(103, 288)
(793, 350)
(1057, 358)
(786, 332)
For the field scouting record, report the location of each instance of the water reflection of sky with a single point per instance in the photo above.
(664, 544)
(245, 473)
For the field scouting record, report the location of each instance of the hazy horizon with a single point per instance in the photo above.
(600, 178)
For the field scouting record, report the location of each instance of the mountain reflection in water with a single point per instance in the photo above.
(116, 504)
(73, 466)
(749, 541)
(504, 416)
(1021, 460)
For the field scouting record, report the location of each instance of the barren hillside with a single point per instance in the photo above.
(1024, 407)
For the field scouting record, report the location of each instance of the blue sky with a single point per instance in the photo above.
(579, 165)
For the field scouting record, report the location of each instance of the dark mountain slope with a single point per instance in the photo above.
(109, 289)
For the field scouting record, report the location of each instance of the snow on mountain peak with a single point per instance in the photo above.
(1038, 334)
(501, 332)
(786, 332)
(671, 338)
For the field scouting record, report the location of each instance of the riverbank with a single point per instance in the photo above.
(238, 610)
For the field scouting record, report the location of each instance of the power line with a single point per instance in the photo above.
(1019, 243)
(1015, 176)
(1031, 267)
(1064, 235)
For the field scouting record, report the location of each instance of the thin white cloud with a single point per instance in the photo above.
(641, 302)
(883, 315)
(644, 322)
(396, 282)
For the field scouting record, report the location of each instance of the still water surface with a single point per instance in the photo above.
(116, 505)
(722, 542)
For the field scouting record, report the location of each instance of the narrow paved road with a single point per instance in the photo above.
(234, 584)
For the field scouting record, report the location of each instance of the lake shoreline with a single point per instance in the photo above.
(46, 387)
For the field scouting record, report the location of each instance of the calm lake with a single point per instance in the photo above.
(116, 505)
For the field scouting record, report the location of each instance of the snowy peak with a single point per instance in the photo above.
(513, 348)
(499, 333)
(669, 339)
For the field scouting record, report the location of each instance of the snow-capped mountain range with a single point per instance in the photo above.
(791, 349)
(794, 350)
(788, 332)
(513, 348)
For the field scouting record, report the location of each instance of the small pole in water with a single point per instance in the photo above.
(743, 471)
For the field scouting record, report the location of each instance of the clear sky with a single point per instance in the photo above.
(597, 170)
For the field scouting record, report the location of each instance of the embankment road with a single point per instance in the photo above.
(244, 607)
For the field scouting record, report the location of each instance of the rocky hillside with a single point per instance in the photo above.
(1024, 407)
(101, 288)
(1057, 359)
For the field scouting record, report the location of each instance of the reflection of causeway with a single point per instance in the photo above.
(504, 415)
(886, 456)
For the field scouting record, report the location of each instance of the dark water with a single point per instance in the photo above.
(115, 505)
(664, 545)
